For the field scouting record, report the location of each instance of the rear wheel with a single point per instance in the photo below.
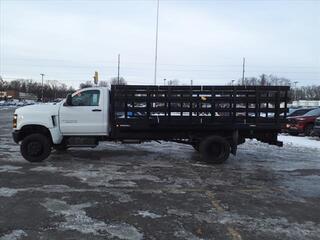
(35, 147)
(215, 149)
(308, 130)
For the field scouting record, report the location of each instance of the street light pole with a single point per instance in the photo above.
(118, 69)
(243, 69)
(42, 75)
(295, 90)
(156, 49)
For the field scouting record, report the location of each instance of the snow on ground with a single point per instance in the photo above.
(300, 141)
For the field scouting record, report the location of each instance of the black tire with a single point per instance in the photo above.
(294, 134)
(196, 146)
(215, 149)
(308, 130)
(35, 147)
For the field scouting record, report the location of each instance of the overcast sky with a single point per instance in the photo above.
(200, 40)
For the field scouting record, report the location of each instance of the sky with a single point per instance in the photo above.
(199, 40)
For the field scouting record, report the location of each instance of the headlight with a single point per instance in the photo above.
(15, 120)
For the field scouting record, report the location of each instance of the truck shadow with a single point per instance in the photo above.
(95, 154)
(125, 154)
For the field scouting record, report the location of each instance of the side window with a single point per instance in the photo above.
(86, 98)
(299, 112)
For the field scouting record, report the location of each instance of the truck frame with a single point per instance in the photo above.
(212, 119)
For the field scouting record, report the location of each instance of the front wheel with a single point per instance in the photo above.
(35, 147)
(308, 130)
(293, 134)
(215, 149)
(196, 146)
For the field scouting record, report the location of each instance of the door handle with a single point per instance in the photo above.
(96, 110)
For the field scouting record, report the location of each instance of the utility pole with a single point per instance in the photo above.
(243, 69)
(164, 81)
(191, 82)
(42, 75)
(295, 90)
(156, 48)
(118, 69)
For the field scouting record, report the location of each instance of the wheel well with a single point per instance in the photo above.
(305, 126)
(30, 129)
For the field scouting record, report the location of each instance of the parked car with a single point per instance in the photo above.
(293, 112)
(302, 124)
(316, 128)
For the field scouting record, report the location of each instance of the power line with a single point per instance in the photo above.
(160, 64)
(169, 69)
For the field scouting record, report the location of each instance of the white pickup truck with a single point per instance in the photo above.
(213, 119)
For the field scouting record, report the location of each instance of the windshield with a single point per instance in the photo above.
(291, 110)
(314, 112)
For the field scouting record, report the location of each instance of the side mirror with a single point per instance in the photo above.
(68, 101)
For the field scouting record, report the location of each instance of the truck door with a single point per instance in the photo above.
(86, 116)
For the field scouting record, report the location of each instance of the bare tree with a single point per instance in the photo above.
(2, 84)
(103, 84)
(115, 81)
(87, 84)
(265, 80)
(173, 82)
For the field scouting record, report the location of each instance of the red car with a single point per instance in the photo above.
(302, 124)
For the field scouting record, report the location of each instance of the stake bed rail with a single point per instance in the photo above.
(157, 108)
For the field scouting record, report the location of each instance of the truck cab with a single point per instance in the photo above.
(84, 113)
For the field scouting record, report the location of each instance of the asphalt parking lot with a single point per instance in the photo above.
(159, 191)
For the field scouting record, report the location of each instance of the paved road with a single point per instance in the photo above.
(158, 191)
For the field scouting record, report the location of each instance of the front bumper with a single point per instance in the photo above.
(294, 128)
(16, 135)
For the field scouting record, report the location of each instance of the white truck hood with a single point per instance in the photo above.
(39, 114)
(45, 109)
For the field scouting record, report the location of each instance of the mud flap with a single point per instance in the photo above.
(234, 143)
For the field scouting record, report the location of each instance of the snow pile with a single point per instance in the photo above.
(308, 142)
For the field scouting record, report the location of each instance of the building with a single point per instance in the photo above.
(306, 103)
(13, 94)
(3, 94)
(27, 96)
